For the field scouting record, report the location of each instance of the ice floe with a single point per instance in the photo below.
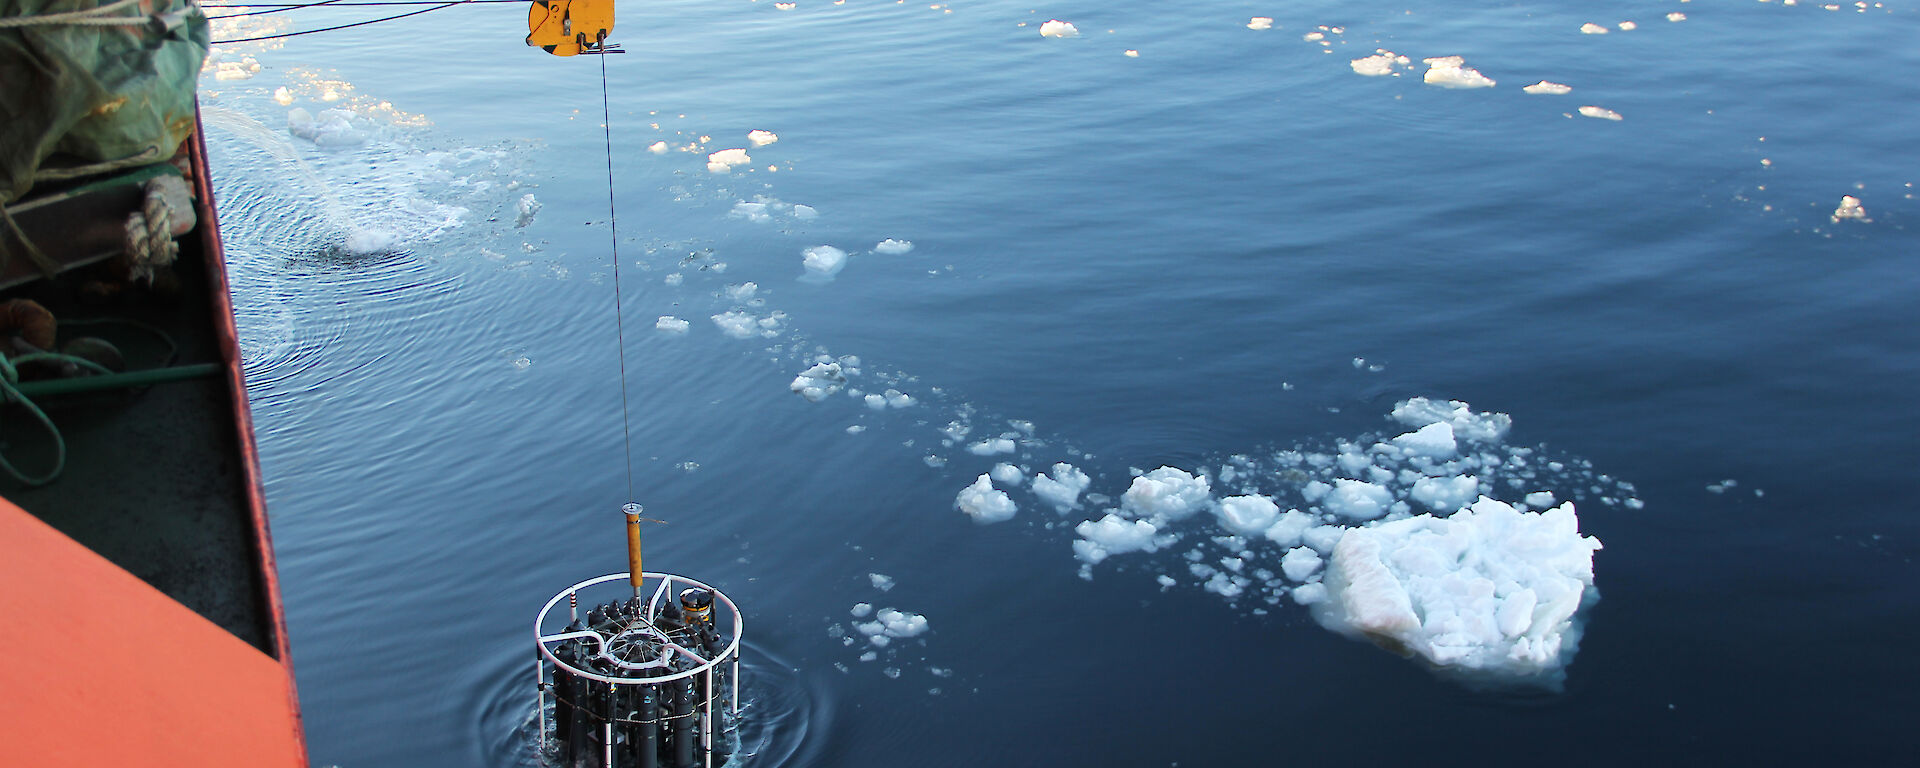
(1548, 88)
(892, 247)
(1061, 486)
(762, 138)
(1489, 589)
(1260, 22)
(671, 324)
(819, 382)
(1452, 72)
(1380, 64)
(1600, 112)
(822, 262)
(985, 504)
(724, 161)
(1167, 493)
(1850, 208)
(1058, 29)
(1591, 28)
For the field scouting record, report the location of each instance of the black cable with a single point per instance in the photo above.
(343, 26)
(613, 225)
(273, 10)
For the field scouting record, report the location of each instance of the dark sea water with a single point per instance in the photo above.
(1229, 244)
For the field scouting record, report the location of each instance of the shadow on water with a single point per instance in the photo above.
(780, 710)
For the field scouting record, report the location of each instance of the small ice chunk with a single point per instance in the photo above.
(1007, 474)
(862, 610)
(805, 212)
(1600, 112)
(1467, 425)
(1452, 72)
(1548, 88)
(231, 70)
(880, 581)
(330, 128)
(823, 261)
(876, 402)
(1446, 494)
(819, 382)
(739, 325)
(762, 138)
(898, 399)
(1491, 589)
(658, 147)
(283, 96)
(1434, 441)
(1299, 563)
(1289, 527)
(671, 324)
(725, 160)
(1591, 28)
(525, 209)
(1540, 499)
(1062, 486)
(1628, 26)
(1167, 493)
(1260, 22)
(982, 502)
(1247, 515)
(751, 211)
(1113, 535)
(1850, 209)
(1377, 65)
(1357, 499)
(742, 292)
(900, 623)
(992, 447)
(1058, 29)
(892, 247)
(1676, 16)
(1323, 538)
(1310, 594)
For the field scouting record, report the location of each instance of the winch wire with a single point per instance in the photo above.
(619, 318)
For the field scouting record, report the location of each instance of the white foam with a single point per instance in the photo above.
(1062, 486)
(1058, 29)
(1113, 535)
(819, 382)
(1166, 493)
(1249, 515)
(1490, 589)
(1452, 72)
(751, 211)
(671, 324)
(1600, 112)
(1548, 88)
(331, 128)
(762, 138)
(823, 261)
(892, 247)
(982, 502)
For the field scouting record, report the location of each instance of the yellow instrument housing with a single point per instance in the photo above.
(568, 27)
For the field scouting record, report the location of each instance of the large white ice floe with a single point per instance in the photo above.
(1490, 589)
(1061, 486)
(1113, 535)
(819, 382)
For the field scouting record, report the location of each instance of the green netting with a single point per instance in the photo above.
(96, 93)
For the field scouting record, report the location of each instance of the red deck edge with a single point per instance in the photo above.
(229, 340)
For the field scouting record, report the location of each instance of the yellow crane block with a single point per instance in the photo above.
(568, 27)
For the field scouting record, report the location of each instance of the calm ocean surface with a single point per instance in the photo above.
(1228, 244)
